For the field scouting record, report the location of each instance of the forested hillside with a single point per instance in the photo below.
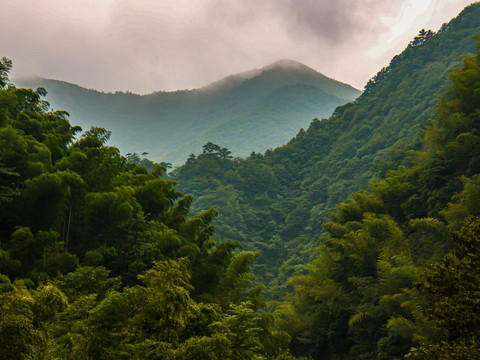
(378, 287)
(103, 259)
(277, 202)
(251, 111)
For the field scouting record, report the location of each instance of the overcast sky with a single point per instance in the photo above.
(148, 45)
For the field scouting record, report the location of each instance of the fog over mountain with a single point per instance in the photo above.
(358, 238)
(251, 111)
(149, 45)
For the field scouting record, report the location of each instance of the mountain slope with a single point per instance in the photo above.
(381, 261)
(285, 196)
(272, 118)
(171, 125)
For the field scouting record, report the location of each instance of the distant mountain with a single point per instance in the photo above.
(251, 111)
(278, 202)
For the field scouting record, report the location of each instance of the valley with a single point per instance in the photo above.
(356, 238)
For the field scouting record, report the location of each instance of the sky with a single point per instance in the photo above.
(154, 45)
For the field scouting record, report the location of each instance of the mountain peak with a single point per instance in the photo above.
(282, 64)
(286, 64)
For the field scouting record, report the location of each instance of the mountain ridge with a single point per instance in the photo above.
(285, 195)
(164, 124)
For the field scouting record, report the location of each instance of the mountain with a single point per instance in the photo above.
(397, 274)
(101, 259)
(277, 202)
(251, 111)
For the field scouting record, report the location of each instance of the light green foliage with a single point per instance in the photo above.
(87, 280)
(164, 308)
(5, 284)
(240, 327)
(452, 288)
(20, 338)
(467, 202)
(357, 298)
(235, 282)
(23, 318)
(216, 347)
(49, 301)
(161, 320)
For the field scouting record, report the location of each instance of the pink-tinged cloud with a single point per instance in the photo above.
(147, 45)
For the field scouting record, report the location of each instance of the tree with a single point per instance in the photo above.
(23, 320)
(5, 67)
(191, 159)
(224, 153)
(453, 288)
(95, 137)
(210, 149)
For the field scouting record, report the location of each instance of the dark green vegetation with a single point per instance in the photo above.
(375, 290)
(257, 110)
(277, 202)
(102, 259)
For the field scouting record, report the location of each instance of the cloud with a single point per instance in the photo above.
(339, 21)
(147, 45)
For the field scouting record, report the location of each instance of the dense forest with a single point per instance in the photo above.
(380, 283)
(102, 258)
(277, 202)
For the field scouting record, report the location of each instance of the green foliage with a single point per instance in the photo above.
(23, 320)
(359, 298)
(146, 262)
(5, 67)
(154, 283)
(278, 201)
(87, 280)
(161, 320)
(452, 287)
(257, 112)
(463, 204)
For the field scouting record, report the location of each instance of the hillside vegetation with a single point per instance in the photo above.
(253, 111)
(277, 202)
(378, 286)
(103, 259)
